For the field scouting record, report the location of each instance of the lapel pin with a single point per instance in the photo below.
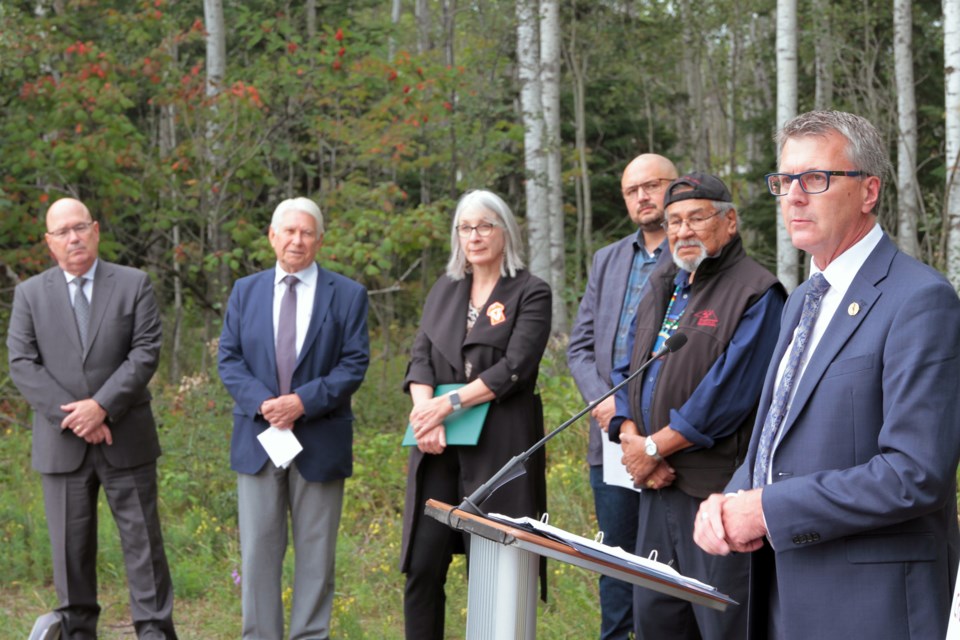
(853, 309)
(496, 313)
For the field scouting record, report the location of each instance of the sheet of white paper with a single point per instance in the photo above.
(953, 626)
(647, 563)
(614, 473)
(281, 445)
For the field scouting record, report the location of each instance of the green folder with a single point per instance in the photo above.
(463, 427)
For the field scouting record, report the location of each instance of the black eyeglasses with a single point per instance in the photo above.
(651, 188)
(80, 229)
(672, 225)
(484, 229)
(811, 182)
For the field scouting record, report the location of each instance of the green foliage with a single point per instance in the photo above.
(198, 510)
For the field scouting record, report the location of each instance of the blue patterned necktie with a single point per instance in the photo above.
(781, 395)
(81, 309)
(287, 335)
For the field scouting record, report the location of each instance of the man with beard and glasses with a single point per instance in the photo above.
(598, 341)
(685, 424)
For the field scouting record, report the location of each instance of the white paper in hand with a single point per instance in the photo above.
(614, 473)
(281, 445)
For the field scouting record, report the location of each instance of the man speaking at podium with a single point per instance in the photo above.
(684, 425)
(847, 496)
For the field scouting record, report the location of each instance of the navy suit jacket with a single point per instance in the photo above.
(330, 368)
(862, 509)
(590, 351)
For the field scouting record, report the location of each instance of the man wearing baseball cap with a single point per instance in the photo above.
(685, 424)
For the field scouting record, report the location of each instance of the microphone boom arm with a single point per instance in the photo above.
(471, 503)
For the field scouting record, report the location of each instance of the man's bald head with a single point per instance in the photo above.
(642, 185)
(72, 236)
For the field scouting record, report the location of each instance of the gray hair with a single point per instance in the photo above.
(302, 205)
(865, 146)
(487, 201)
(722, 208)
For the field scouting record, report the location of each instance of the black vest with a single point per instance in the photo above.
(723, 289)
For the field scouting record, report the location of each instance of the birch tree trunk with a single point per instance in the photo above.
(422, 13)
(550, 95)
(531, 105)
(951, 63)
(167, 139)
(696, 121)
(787, 256)
(823, 98)
(577, 62)
(216, 63)
(311, 10)
(394, 20)
(908, 191)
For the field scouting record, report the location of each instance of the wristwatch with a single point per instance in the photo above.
(455, 401)
(650, 448)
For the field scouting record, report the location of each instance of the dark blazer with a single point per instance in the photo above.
(506, 356)
(862, 511)
(590, 350)
(330, 368)
(50, 368)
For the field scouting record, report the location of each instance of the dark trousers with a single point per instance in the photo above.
(431, 550)
(70, 502)
(666, 525)
(616, 509)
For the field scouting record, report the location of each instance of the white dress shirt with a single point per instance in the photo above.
(840, 274)
(306, 292)
(87, 283)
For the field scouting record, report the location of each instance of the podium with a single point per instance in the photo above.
(504, 563)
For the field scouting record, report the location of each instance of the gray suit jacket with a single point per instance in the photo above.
(590, 352)
(50, 369)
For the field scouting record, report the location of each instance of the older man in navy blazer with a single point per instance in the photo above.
(847, 497)
(293, 350)
(599, 339)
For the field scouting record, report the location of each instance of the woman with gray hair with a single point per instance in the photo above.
(485, 326)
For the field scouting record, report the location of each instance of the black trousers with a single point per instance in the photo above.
(431, 550)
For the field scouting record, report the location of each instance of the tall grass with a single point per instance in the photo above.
(198, 510)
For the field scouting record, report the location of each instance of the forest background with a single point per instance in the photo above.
(183, 124)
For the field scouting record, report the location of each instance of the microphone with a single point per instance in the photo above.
(514, 467)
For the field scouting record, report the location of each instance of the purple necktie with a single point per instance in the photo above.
(781, 395)
(287, 335)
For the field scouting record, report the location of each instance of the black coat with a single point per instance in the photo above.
(505, 354)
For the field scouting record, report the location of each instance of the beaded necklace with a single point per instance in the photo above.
(670, 321)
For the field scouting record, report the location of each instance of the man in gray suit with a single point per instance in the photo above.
(599, 340)
(83, 343)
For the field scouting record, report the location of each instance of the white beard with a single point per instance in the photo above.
(689, 265)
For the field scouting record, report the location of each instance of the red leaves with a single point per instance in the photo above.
(392, 75)
(241, 90)
(79, 48)
(339, 35)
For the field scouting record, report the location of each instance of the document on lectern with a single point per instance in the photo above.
(616, 555)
